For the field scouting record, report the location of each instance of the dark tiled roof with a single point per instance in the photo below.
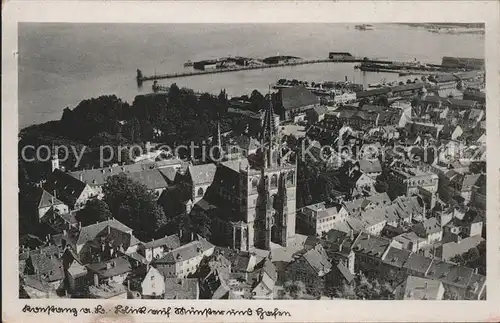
(98, 176)
(345, 272)
(450, 274)
(370, 245)
(418, 263)
(48, 265)
(169, 173)
(427, 227)
(368, 93)
(417, 288)
(110, 268)
(67, 187)
(89, 232)
(407, 87)
(297, 97)
(176, 288)
(152, 179)
(185, 252)
(396, 257)
(171, 242)
(318, 260)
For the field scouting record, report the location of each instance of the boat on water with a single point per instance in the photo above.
(364, 27)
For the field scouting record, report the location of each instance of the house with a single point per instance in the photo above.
(152, 179)
(369, 250)
(99, 241)
(311, 268)
(447, 251)
(266, 275)
(156, 249)
(184, 260)
(454, 278)
(429, 229)
(317, 218)
(187, 288)
(242, 262)
(113, 271)
(35, 287)
(70, 191)
(417, 288)
(76, 277)
(417, 265)
(45, 272)
(410, 241)
(97, 177)
(296, 100)
(316, 114)
(153, 284)
(408, 179)
(48, 202)
(462, 185)
(199, 179)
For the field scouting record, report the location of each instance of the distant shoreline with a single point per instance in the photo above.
(450, 28)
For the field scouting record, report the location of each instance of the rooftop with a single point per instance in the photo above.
(416, 288)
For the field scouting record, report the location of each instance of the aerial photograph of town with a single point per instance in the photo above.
(252, 161)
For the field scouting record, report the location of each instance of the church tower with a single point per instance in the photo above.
(55, 159)
(216, 150)
(275, 202)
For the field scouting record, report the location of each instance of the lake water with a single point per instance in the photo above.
(62, 64)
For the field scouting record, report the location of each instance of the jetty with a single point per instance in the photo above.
(142, 78)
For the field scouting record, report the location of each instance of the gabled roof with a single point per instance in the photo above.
(345, 272)
(47, 265)
(202, 174)
(239, 259)
(427, 227)
(67, 187)
(176, 288)
(89, 232)
(110, 268)
(418, 263)
(368, 93)
(417, 288)
(185, 252)
(169, 173)
(396, 257)
(170, 242)
(297, 97)
(450, 274)
(370, 245)
(451, 249)
(152, 179)
(318, 260)
(320, 109)
(98, 176)
(47, 200)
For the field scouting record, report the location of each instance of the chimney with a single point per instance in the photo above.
(109, 229)
(65, 233)
(96, 280)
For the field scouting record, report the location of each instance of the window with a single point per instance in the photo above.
(152, 277)
(200, 191)
(274, 181)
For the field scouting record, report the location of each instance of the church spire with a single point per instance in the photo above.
(269, 135)
(217, 143)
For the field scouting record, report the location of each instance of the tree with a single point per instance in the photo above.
(94, 211)
(131, 203)
(294, 289)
